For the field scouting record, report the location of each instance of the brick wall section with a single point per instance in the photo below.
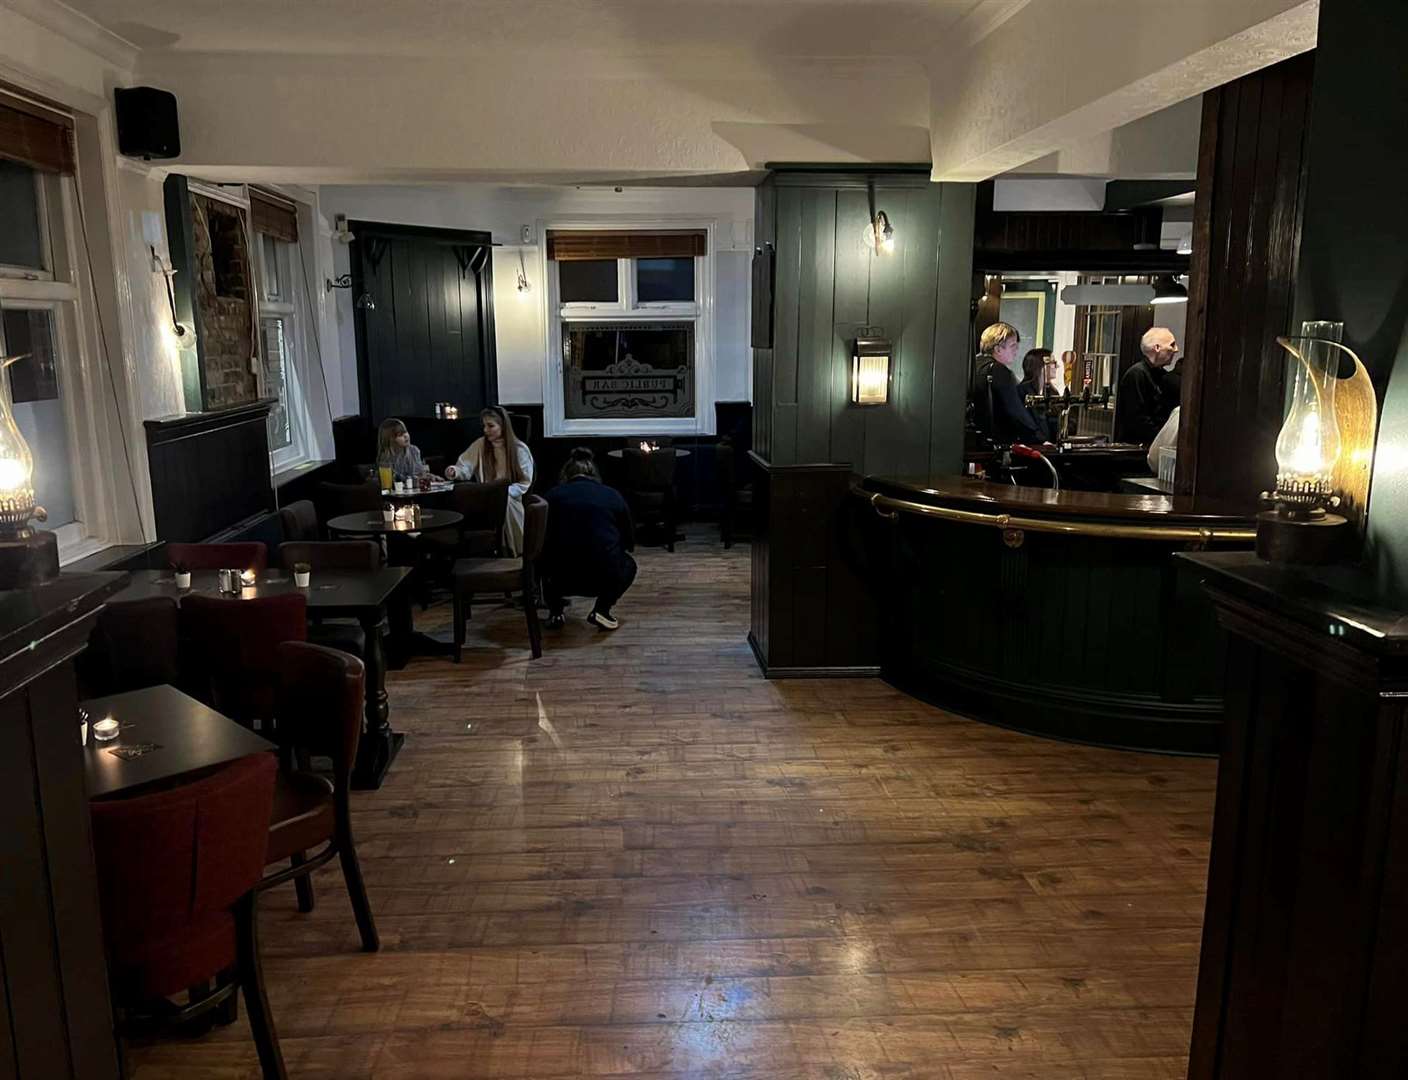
(224, 293)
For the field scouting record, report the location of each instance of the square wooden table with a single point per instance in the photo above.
(364, 595)
(190, 738)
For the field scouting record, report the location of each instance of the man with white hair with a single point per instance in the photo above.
(1143, 400)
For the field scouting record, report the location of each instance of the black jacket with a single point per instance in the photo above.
(1142, 403)
(589, 532)
(1010, 420)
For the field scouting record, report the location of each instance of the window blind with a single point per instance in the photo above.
(565, 245)
(274, 215)
(35, 136)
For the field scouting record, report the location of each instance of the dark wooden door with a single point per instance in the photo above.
(424, 304)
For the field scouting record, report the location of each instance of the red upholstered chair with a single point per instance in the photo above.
(134, 644)
(230, 650)
(247, 555)
(176, 877)
(319, 714)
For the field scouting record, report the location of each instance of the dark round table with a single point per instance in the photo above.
(374, 524)
(440, 491)
(620, 455)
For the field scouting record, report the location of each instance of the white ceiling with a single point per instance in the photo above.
(904, 30)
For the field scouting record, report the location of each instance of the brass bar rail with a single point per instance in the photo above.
(1195, 534)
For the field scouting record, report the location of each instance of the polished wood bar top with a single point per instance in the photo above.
(982, 496)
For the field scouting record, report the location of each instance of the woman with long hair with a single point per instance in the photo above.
(589, 537)
(395, 451)
(499, 458)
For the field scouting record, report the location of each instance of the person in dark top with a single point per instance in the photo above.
(589, 535)
(998, 406)
(1037, 368)
(1145, 395)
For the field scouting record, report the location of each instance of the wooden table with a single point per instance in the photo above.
(620, 453)
(190, 737)
(364, 595)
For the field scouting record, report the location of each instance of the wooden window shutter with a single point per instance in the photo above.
(274, 215)
(565, 245)
(36, 136)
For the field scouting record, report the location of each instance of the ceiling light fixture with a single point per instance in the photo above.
(1168, 290)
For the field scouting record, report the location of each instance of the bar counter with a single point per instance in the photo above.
(1057, 613)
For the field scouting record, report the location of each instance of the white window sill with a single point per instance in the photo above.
(81, 549)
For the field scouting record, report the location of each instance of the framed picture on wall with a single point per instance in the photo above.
(1027, 312)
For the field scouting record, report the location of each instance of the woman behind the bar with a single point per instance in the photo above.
(589, 536)
(1038, 368)
(499, 458)
(395, 451)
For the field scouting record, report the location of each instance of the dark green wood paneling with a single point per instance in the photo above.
(952, 354)
(852, 311)
(815, 385)
(785, 329)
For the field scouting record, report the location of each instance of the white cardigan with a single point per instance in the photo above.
(469, 466)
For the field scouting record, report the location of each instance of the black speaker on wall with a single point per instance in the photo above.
(146, 123)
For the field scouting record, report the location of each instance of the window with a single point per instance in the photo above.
(279, 329)
(39, 409)
(23, 243)
(630, 337)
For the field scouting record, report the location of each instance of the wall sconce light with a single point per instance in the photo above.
(523, 287)
(340, 232)
(168, 271)
(27, 556)
(870, 368)
(880, 234)
(1324, 453)
(365, 302)
(1168, 290)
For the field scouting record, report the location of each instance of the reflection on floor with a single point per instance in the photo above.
(637, 857)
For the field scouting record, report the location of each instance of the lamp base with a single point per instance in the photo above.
(28, 558)
(1310, 541)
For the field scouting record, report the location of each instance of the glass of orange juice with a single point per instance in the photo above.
(384, 474)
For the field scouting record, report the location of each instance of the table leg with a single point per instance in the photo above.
(379, 744)
(406, 641)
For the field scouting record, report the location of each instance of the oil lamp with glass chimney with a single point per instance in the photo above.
(28, 556)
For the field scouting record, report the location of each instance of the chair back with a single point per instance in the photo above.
(535, 527)
(167, 861)
(653, 471)
(134, 644)
(230, 650)
(332, 554)
(300, 520)
(244, 555)
(319, 708)
(338, 499)
(522, 426)
(484, 506)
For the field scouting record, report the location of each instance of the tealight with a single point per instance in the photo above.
(105, 729)
(248, 578)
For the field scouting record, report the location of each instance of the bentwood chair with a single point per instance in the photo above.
(319, 711)
(299, 520)
(473, 576)
(363, 555)
(134, 644)
(244, 555)
(230, 651)
(177, 872)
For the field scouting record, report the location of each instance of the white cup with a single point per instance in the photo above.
(183, 581)
(301, 580)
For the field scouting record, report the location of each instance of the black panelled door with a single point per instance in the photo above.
(424, 305)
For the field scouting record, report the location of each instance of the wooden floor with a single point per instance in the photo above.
(636, 857)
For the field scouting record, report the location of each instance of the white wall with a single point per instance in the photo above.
(520, 321)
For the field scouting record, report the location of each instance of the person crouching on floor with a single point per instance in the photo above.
(589, 536)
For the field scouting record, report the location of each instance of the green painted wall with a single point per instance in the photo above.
(829, 286)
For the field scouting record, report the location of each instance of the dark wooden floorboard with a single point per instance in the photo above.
(637, 857)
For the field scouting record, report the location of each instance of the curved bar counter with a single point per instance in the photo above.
(1058, 613)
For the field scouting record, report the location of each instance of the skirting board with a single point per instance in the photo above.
(856, 672)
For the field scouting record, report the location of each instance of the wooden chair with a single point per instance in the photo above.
(134, 644)
(177, 872)
(300, 521)
(229, 651)
(339, 499)
(732, 495)
(649, 487)
(483, 507)
(319, 713)
(509, 576)
(332, 554)
(244, 555)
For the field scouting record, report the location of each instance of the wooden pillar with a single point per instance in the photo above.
(1246, 241)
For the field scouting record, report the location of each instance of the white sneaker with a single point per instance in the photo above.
(603, 622)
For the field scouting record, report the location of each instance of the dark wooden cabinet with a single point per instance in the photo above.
(1304, 966)
(55, 1015)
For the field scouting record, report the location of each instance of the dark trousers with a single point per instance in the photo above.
(607, 585)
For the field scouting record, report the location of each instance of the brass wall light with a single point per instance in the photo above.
(870, 368)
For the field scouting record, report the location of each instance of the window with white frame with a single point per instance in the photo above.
(280, 345)
(54, 406)
(630, 330)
